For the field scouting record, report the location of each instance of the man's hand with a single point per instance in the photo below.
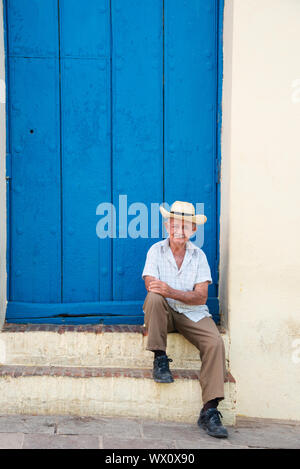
(157, 286)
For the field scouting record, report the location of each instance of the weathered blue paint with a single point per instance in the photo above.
(137, 128)
(8, 149)
(83, 320)
(190, 110)
(110, 98)
(112, 308)
(84, 312)
(85, 147)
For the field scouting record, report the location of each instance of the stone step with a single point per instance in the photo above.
(100, 345)
(96, 391)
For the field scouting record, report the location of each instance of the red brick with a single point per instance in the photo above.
(98, 328)
(18, 372)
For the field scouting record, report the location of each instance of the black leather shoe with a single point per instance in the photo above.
(210, 421)
(161, 372)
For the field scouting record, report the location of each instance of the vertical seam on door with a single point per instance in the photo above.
(111, 148)
(60, 157)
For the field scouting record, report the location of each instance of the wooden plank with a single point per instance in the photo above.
(32, 28)
(137, 130)
(84, 28)
(86, 147)
(190, 110)
(104, 308)
(83, 320)
(35, 184)
(109, 308)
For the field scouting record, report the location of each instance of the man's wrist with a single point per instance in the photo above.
(173, 293)
(183, 296)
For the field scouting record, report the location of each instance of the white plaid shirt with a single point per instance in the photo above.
(161, 264)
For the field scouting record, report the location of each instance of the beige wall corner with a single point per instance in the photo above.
(260, 216)
(225, 163)
(3, 274)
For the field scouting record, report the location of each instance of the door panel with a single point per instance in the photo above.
(35, 217)
(86, 173)
(86, 147)
(32, 27)
(137, 89)
(84, 28)
(190, 110)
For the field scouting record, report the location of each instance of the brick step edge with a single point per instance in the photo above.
(16, 371)
(96, 329)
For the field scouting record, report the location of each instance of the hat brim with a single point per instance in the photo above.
(198, 219)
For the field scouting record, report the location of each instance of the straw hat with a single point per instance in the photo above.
(183, 210)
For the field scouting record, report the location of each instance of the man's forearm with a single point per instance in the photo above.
(188, 297)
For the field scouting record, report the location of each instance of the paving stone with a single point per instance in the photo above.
(118, 427)
(11, 440)
(171, 431)
(27, 424)
(267, 436)
(136, 443)
(203, 443)
(255, 422)
(39, 441)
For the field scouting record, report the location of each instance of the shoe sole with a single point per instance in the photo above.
(210, 433)
(163, 381)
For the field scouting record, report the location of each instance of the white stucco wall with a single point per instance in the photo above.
(260, 216)
(2, 177)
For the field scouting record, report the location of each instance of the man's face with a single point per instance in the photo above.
(180, 230)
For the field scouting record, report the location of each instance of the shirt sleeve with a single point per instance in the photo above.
(151, 265)
(203, 270)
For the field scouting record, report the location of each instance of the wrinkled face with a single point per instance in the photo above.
(180, 230)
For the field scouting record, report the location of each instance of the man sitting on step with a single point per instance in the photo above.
(177, 276)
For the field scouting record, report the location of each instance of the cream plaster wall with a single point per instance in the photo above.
(260, 216)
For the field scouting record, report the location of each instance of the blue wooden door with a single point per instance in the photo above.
(109, 101)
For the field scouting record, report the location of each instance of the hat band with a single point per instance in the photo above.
(182, 213)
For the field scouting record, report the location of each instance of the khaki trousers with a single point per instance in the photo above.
(160, 319)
